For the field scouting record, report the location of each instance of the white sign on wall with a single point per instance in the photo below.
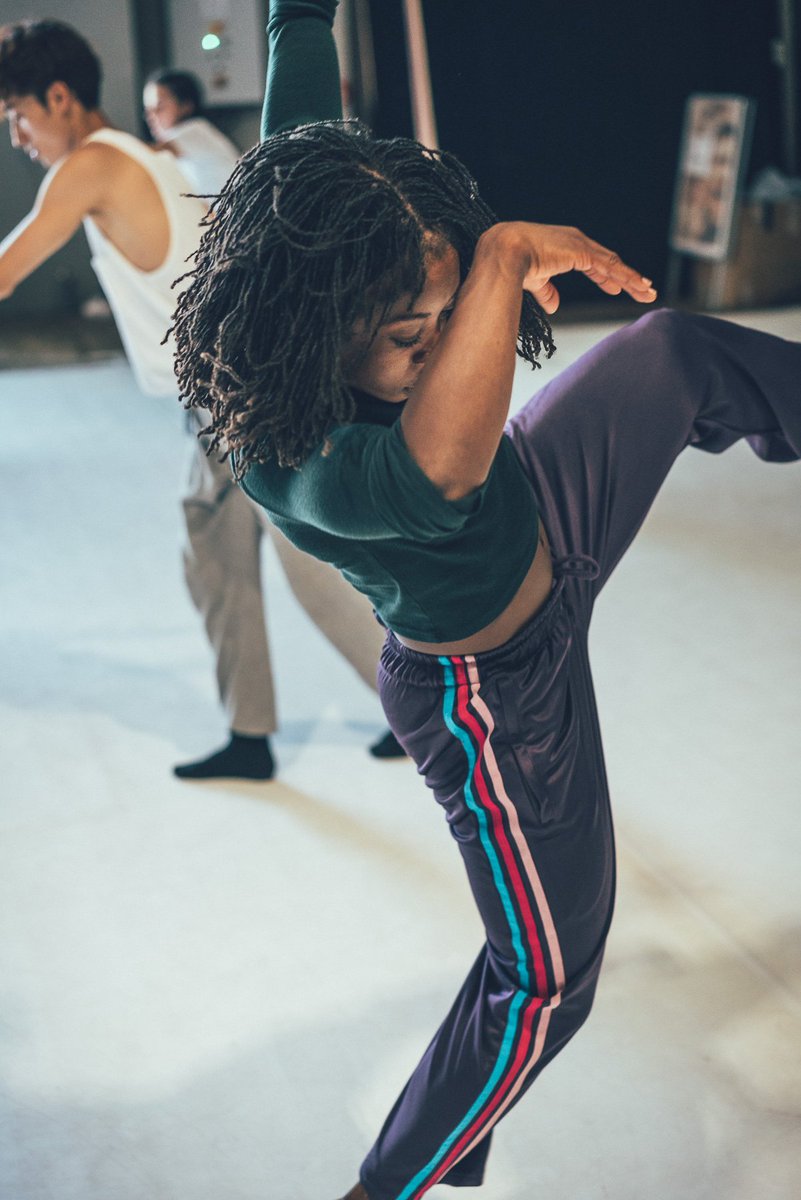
(223, 42)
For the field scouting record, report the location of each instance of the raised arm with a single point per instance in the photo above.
(453, 421)
(302, 70)
(66, 196)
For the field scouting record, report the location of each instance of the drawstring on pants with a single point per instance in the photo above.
(579, 566)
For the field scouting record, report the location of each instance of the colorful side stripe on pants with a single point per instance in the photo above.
(531, 927)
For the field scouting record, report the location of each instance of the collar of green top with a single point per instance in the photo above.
(373, 411)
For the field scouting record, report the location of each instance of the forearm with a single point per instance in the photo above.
(20, 254)
(455, 417)
(9, 276)
(453, 421)
(302, 71)
(7, 283)
(67, 193)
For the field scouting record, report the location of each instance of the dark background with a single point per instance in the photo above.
(570, 111)
(567, 111)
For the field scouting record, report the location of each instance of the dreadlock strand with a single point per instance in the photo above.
(315, 230)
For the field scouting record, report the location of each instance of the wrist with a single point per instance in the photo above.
(504, 248)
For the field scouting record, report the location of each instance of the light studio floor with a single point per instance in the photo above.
(214, 992)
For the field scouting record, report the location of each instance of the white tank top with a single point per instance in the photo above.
(143, 301)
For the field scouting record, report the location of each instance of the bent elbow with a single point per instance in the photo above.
(453, 481)
(455, 470)
(458, 489)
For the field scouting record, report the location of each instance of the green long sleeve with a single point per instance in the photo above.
(302, 71)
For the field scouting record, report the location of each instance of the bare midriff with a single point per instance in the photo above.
(526, 602)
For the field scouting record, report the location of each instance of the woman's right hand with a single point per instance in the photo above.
(548, 250)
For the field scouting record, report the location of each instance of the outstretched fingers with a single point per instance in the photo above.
(558, 249)
(608, 272)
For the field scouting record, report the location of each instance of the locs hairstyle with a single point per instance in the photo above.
(34, 54)
(316, 228)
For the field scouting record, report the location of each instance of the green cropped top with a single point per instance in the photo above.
(435, 570)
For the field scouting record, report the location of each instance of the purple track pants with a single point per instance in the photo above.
(509, 741)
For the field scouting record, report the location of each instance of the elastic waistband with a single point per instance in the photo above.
(425, 670)
(399, 660)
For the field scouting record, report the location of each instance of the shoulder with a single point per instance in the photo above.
(339, 456)
(93, 152)
(209, 130)
(116, 153)
(82, 159)
(200, 135)
(83, 173)
(89, 162)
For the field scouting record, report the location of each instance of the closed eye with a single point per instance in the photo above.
(407, 343)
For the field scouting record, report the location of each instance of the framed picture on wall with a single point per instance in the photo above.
(712, 159)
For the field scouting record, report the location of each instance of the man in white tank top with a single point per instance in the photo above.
(141, 228)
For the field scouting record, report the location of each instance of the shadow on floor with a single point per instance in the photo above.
(57, 341)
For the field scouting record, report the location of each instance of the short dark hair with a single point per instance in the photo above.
(36, 54)
(316, 229)
(185, 87)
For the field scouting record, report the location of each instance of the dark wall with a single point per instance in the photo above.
(570, 111)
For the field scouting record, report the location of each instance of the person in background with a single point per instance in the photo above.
(224, 535)
(142, 227)
(173, 106)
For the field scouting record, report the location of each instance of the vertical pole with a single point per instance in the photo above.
(364, 77)
(344, 45)
(789, 66)
(423, 118)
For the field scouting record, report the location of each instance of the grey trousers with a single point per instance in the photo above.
(222, 565)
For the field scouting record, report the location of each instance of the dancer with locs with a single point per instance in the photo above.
(351, 328)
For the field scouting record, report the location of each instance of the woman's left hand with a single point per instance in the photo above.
(556, 249)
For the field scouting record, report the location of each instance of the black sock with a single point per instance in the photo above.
(387, 746)
(244, 757)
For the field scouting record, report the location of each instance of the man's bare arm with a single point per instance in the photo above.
(70, 191)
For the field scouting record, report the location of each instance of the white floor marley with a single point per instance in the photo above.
(213, 992)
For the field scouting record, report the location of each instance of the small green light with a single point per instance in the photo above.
(210, 41)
